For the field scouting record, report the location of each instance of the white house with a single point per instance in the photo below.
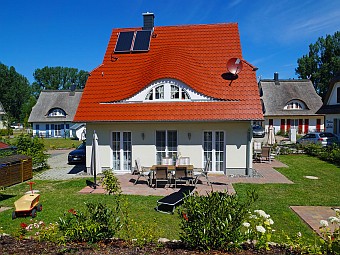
(2, 114)
(52, 115)
(331, 106)
(290, 104)
(166, 92)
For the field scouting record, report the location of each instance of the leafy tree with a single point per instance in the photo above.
(58, 78)
(14, 91)
(322, 62)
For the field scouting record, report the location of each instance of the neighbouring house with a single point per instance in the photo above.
(165, 91)
(78, 131)
(52, 115)
(2, 114)
(331, 106)
(290, 104)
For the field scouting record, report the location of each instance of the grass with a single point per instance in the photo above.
(60, 143)
(58, 197)
(276, 199)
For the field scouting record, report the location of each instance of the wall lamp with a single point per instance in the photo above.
(189, 136)
(143, 135)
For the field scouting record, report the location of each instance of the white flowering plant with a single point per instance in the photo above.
(330, 233)
(257, 229)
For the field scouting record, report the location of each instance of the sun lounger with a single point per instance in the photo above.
(168, 204)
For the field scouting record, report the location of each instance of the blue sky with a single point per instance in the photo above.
(274, 34)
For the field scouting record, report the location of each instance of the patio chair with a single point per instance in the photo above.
(203, 173)
(161, 174)
(168, 203)
(265, 154)
(141, 172)
(181, 175)
(167, 161)
(183, 161)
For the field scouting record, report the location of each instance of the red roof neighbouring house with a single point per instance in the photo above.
(4, 146)
(193, 54)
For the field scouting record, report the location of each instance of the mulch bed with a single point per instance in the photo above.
(11, 245)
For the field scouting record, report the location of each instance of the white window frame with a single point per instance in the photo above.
(124, 165)
(214, 151)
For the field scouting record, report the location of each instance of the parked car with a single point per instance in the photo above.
(258, 131)
(323, 138)
(78, 155)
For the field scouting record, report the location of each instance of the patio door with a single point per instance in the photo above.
(213, 147)
(166, 144)
(121, 150)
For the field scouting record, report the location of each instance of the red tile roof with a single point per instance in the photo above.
(194, 54)
(4, 146)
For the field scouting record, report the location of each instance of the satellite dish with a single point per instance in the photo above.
(234, 65)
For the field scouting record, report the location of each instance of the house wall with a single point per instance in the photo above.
(333, 97)
(50, 132)
(236, 142)
(1, 122)
(332, 122)
(312, 125)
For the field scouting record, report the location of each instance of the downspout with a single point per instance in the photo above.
(248, 152)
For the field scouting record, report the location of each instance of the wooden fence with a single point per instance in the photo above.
(15, 169)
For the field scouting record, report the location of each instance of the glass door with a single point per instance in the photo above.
(213, 146)
(121, 150)
(166, 144)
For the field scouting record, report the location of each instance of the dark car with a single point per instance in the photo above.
(258, 131)
(323, 138)
(78, 155)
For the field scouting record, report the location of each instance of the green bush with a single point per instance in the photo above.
(214, 221)
(98, 222)
(110, 183)
(6, 132)
(33, 147)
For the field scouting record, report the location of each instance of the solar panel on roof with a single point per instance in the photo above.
(142, 40)
(124, 41)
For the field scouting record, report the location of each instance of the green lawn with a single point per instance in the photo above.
(58, 197)
(275, 199)
(60, 143)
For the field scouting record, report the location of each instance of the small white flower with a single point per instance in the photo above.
(299, 234)
(246, 224)
(260, 229)
(253, 217)
(36, 225)
(336, 209)
(334, 220)
(324, 223)
(270, 221)
(262, 213)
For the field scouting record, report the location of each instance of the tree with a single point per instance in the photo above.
(58, 78)
(322, 62)
(14, 91)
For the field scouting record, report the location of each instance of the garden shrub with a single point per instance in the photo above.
(330, 241)
(111, 183)
(98, 222)
(6, 132)
(33, 147)
(214, 221)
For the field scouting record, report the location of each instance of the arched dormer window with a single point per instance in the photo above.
(295, 105)
(163, 92)
(56, 112)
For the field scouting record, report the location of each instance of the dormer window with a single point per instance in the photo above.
(166, 93)
(56, 112)
(295, 105)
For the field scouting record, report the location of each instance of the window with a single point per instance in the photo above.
(122, 150)
(338, 95)
(167, 93)
(56, 112)
(166, 144)
(295, 105)
(213, 145)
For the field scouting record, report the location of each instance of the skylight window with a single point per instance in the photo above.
(167, 93)
(295, 105)
(56, 112)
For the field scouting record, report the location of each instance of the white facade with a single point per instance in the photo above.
(229, 148)
(56, 129)
(332, 121)
(303, 124)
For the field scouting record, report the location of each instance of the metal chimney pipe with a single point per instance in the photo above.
(276, 76)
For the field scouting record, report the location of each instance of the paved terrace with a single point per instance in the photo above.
(264, 173)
